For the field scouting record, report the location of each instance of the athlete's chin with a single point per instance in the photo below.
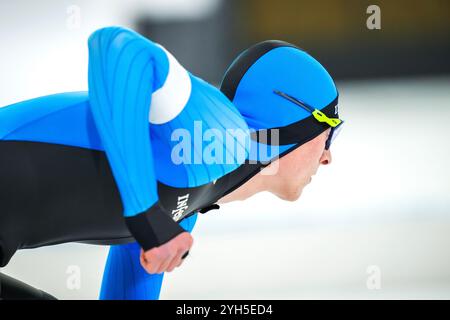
(291, 196)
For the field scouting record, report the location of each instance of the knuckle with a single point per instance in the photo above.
(153, 253)
(159, 254)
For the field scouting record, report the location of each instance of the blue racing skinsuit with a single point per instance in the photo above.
(106, 166)
(138, 96)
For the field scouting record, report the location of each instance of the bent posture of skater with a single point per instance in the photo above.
(131, 162)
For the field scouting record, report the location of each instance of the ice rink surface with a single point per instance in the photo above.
(382, 208)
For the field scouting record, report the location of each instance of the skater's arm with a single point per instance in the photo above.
(124, 70)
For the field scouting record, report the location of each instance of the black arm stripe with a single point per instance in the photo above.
(153, 227)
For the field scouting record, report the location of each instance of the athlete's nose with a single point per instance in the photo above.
(326, 157)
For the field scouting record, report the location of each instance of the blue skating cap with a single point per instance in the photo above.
(271, 65)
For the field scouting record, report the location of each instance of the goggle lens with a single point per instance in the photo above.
(333, 134)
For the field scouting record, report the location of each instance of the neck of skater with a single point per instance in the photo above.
(254, 185)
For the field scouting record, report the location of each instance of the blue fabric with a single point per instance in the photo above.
(289, 70)
(63, 118)
(125, 279)
(125, 70)
(122, 77)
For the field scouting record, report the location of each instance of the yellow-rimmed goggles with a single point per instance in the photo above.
(334, 123)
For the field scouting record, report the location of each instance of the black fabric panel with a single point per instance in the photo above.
(244, 61)
(52, 194)
(13, 289)
(153, 227)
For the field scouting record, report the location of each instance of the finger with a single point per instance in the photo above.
(150, 264)
(142, 259)
(152, 267)
(179, 263)
(165, 264)
(175, 262)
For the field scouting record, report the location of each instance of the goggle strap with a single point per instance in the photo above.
(298, 132)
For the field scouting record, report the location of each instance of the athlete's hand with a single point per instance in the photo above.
(168, 256)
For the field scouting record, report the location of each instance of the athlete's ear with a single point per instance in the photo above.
(326, 157)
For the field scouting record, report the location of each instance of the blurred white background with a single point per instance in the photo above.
(381, 208)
